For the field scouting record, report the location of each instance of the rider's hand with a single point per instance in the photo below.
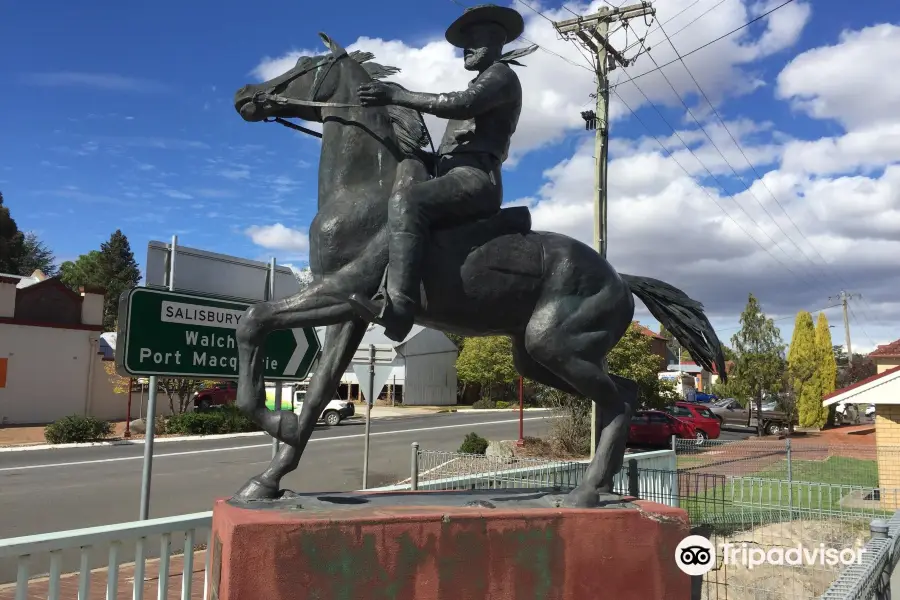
(376, 93)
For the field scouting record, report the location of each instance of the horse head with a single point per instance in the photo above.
(299, 93)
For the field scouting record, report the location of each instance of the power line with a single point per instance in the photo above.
(709, 43)
(710, 196)
(722, 154)
(713, 177)
(640, 41)
(824, 308)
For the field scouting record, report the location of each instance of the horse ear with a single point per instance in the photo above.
(331, 44)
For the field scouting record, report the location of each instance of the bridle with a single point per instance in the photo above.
(269, 94)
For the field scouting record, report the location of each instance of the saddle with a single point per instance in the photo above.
(515, 219)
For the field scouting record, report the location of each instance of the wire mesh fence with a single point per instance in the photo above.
(811, 532)
(791, 460)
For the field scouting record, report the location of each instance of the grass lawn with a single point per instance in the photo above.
(816, 488)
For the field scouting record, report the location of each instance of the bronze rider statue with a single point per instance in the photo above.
(467, 184)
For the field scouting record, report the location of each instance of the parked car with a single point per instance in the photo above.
(731, 414)
(656, 428)
(334, 412)
(216, 395)
(705, 423)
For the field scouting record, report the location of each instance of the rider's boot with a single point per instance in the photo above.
(395, 309)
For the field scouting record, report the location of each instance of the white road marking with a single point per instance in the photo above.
(266, 445)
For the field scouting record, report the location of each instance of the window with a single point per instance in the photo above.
(706, 413)
(680, 411)
(659, 419)
(639, 419)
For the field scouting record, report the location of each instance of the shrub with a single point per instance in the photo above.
(227, 419)
(484, 403)
(76, 429)
(473, 444)
(503, 404)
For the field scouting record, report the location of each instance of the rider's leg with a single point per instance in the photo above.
(463, 193)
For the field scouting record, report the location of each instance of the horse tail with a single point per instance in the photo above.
(684, 318)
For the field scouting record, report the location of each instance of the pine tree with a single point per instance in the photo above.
(12, 242)
(758, 360)
(803, 366)
(827, 373)
(120, 273)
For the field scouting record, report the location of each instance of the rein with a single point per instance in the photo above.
(268, 95)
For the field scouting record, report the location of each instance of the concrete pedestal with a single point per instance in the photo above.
(378, 546)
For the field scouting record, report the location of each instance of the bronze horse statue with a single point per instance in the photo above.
(563, 306)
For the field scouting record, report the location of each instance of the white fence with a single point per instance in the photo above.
(115, 539)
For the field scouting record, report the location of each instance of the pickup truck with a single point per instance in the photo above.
(218, 394)
(731, 414)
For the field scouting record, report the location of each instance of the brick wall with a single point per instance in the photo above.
(887, 433)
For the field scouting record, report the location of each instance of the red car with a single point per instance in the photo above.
(706, 424)
(656, 428)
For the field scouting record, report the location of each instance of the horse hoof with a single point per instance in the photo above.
(581, 499)
(256, 489)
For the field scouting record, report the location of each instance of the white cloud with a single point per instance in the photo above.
(279, 237)
(555, 92)
(836, 82)
(842, 191)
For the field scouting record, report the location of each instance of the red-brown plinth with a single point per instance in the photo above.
(446, 553)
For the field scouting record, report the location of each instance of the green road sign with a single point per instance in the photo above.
(176, 335)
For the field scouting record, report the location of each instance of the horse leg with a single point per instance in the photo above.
(341, 342)
(314, 306)
(572, 342)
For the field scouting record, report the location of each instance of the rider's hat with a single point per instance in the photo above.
(510, 20)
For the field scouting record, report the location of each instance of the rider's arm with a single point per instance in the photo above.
(492, 89)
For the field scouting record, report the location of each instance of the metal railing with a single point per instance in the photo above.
(871, 578)
(115, 540)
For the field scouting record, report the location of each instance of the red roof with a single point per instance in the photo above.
(649, 332)
(891, 350)
(862, 382)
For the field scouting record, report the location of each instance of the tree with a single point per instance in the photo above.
(120, 273)
(180, 392)
(633, 358)
(486, 361)
(112, 268)
(36, 256)
(827, 372)
(12, 242)
(862, 367)
(120, 384)
(758, 361)
(803, 366)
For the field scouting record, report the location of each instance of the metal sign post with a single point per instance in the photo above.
(369, 400)
(150, 422)
(269, 296)
(372, 376)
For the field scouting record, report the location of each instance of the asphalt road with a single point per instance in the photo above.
(50, 490)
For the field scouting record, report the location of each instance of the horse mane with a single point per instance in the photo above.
(409, 126)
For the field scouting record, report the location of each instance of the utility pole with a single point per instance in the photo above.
(844, 297)
(592, 32)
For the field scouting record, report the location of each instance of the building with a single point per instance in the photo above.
(51, 364)
(658, 345)
(424, 368)
(886, 356)
(882, 390)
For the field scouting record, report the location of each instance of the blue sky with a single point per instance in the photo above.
(120, 116)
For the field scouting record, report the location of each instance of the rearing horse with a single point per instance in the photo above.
(563, 306)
